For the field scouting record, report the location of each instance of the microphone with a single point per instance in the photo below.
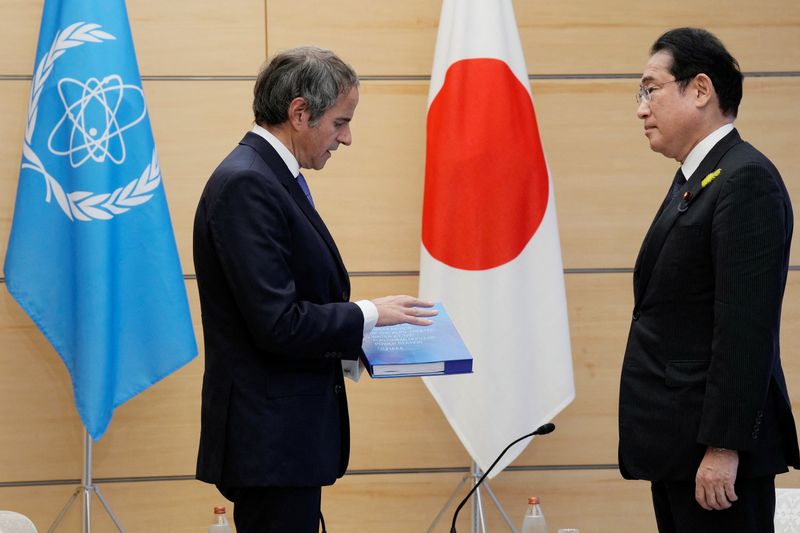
(541, 430)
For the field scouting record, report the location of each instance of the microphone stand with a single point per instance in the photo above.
(542, 430)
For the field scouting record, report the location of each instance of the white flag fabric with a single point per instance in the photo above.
(490, 247)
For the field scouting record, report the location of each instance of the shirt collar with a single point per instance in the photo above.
(700, 151)
(285, 153)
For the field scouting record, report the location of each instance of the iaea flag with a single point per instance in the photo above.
(490, 247)
(91, 256)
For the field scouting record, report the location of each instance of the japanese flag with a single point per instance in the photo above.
(490, 247)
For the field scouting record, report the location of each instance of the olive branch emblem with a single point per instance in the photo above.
(82, 205)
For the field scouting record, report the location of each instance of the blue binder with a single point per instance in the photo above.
(405, 350)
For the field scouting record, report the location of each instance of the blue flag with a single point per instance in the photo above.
(91, 256)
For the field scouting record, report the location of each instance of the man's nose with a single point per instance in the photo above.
(643, 109)
(346, 136)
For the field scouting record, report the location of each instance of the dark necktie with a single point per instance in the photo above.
(677, 183)
(301, 181)
(672, 193)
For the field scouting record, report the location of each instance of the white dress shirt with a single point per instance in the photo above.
(701, 149)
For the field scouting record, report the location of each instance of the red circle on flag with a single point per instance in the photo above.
(486, 183)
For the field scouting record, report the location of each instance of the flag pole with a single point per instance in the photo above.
(85, 490)
(478, 515)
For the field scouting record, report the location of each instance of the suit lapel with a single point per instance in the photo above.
(313, 216)
(667, 200)
(274, 161)
(664, 221)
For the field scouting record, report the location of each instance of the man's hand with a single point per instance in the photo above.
(403, 310)
(713, 488)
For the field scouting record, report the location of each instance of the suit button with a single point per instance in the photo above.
(636, 315)
(337, 388)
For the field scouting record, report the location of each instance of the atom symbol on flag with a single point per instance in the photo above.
(91, 127)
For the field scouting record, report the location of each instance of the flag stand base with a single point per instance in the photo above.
(478, 516)
(86, 489)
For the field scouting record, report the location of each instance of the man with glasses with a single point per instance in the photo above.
(704, 412)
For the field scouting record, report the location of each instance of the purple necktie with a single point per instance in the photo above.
(301, 181)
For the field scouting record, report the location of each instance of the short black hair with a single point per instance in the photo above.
(695, 51)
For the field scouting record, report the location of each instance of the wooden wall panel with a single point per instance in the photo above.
(195, 124)
(599, 314)
(185, 37)
(158, 507)
(158, 430)
(403, 503)
(19, 31)
(13, 106)
(389, 417)
(582, 36)
(397, 503)
(370, 193)
(155, 433)
(572, 36)
(607, 185)
(370, 287)
(41, 433)
(204, 38)
(597, 501)
(395, 423)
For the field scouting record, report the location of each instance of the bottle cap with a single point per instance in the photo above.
(533, 500)
(219, 510)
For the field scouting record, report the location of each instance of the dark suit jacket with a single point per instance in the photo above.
(276, 322)
(702, 365)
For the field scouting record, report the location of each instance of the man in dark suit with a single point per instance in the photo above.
(704, 413)
(274, 295)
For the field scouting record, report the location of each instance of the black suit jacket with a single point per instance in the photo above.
(276, 323)
(702, 365)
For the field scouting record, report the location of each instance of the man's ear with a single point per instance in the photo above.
(298, 112)
(703, 90)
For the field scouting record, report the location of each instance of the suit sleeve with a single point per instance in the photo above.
(252, 233)
(749, 246)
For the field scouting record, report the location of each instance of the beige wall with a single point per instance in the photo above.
(198, 59)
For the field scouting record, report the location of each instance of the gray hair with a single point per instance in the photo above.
(314, 74)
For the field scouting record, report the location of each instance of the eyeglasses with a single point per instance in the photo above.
(646, 93)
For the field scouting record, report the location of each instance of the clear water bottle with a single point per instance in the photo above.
(220, 524)
(534, 522)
